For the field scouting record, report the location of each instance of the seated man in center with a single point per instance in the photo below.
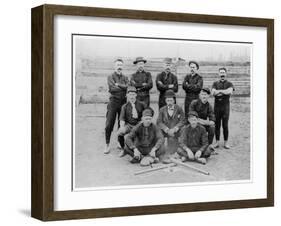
(130, 116)
(193, 141)
(170, 120)
(144, 142)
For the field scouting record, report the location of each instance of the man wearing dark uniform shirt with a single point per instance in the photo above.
(130, 116)
(117, 87)
(222, 90)
(144, 142)
(142, 81)
(206, 116)
(170, 120)
(166, 80)
(192, 85)
(193, 141)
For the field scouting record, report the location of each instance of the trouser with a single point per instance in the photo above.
(205, 153)
(122, 132)
(113, 110)
(222, 117)
(188, 99)
(172, 143)
(144, 99)
(145, 151)
(211, 133)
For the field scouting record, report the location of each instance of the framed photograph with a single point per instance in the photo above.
(142, 112)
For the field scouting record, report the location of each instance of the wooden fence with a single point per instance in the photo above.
(91, 76)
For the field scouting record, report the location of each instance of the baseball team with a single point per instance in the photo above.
(184, 134)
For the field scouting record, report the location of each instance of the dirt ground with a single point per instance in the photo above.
(95, 169)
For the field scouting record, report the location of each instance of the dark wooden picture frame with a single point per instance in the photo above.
(42, 203)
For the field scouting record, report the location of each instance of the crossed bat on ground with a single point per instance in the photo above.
(174, 162)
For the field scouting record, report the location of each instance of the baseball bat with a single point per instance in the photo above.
(189, 166)
(155, 168)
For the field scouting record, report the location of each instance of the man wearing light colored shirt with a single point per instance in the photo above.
(130, 116)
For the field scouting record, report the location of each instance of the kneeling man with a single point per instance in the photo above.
(144, 142)
(193, 141)
(170, 120)
(130, 116)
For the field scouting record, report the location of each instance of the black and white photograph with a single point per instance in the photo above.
(141, 112)
(156, 111)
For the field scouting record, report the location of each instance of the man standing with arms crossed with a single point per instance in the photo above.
(117, 87)
(142, 81)
(166, 80)
(222, 90)
(192, 85)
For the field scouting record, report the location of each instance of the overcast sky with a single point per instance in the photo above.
(92, 46)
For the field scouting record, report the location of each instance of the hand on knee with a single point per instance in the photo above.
(153, 152)
(121, 131)
(212, 128)
(198, 154)
(190, 154)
